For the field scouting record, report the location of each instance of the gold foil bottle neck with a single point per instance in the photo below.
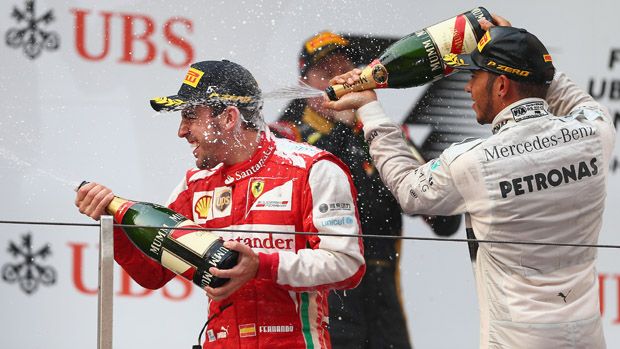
(115, 204)
(366, 82)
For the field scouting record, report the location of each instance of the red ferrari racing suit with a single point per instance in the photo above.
(284, 187)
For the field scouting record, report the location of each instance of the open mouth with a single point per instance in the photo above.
(194, 146)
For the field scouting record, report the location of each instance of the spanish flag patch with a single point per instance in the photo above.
(247, 330)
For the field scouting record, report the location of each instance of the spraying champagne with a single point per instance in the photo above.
(416, 59)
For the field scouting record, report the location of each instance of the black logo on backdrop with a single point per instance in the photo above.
(29, 33)
(606, 89)
(27, 272)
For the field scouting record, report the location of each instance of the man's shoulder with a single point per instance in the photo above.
(302, 155)
(287, 148)
(456, 150)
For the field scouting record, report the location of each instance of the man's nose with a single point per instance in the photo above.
(468, 87)
(183, 129)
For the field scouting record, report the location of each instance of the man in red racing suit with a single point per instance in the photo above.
(285, 187)
(280, 188)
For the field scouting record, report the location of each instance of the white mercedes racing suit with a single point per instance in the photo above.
(538, 178)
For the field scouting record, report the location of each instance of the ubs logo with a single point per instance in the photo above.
(30, 34)
(27, 272)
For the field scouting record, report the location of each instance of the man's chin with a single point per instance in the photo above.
(202, 164)
(206, 164)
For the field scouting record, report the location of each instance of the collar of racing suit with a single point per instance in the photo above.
(251, 166)
(518, 111)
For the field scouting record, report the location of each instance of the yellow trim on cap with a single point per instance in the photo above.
(231, 98)
(167, 102)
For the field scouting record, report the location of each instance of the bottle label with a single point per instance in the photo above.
(185, 249)
(474, 16)
(455, 35)
(198, 241)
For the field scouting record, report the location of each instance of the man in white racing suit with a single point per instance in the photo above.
(541, 177)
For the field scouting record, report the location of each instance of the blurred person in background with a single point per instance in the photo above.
(370, 316)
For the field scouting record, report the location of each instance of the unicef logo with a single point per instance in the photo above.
(348, 220)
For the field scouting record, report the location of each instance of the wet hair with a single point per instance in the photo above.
(251, 118)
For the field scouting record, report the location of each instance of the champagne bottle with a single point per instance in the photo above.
(187, 252)
(416, 59)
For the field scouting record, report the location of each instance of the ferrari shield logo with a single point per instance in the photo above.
(257, 187)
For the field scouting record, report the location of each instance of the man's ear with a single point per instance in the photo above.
(502, 85)
(232, 117)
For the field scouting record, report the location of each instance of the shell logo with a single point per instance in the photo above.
(203, 206)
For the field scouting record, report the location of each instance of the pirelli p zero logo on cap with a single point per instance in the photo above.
(192, 77)
(547, 58)
(507, 69)
(484, 41)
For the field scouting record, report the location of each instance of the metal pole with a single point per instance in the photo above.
(106, 268)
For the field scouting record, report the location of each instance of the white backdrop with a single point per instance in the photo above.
(81, 112)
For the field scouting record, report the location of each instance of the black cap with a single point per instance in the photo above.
(509, 51)
(318, 47)
(211, 83)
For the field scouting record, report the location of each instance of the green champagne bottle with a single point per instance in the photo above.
(416, 59)
(187, 252)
